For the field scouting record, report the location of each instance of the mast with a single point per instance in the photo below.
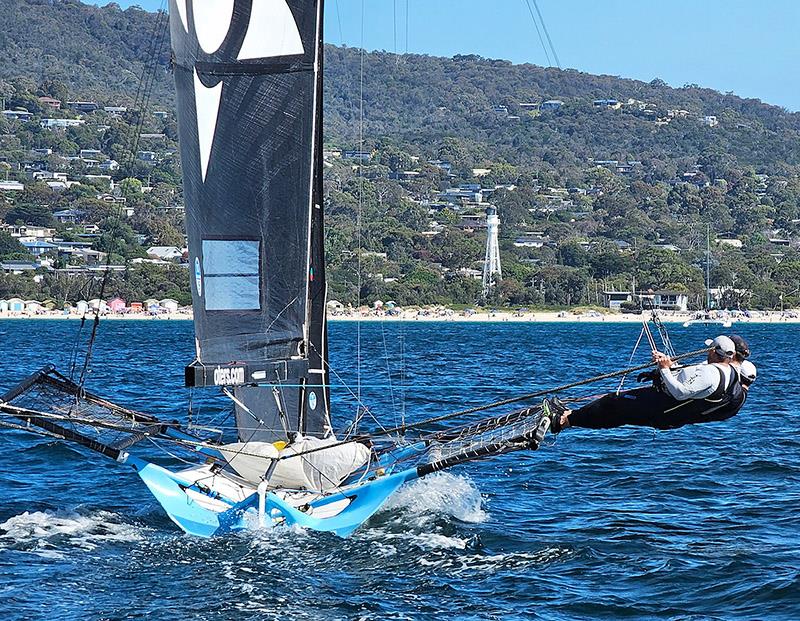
(318, 416)
(248, 81)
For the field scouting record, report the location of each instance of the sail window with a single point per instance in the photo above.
(231, 275)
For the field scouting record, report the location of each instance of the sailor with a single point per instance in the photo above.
(746, 369)
(699, 393)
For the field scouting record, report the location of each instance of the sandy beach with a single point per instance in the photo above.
(444, 315)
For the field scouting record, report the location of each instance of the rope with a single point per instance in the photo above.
(527, 397)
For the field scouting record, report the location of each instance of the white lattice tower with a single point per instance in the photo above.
(491, 264)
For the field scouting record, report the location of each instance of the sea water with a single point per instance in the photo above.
(697, 523)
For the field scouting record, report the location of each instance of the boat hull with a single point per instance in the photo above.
(207, 506)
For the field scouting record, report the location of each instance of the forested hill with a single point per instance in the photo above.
(77, 51)
(599, 182)
(422, 98)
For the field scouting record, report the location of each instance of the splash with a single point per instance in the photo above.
(46, 532)
(440, 494)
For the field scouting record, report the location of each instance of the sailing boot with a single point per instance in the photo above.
(554, 409)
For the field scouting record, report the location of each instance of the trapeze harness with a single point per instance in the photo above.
(653, 406)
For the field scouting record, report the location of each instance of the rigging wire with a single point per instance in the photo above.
(388, 369)
(403, 375)
(360, 197)
(527, 397)
(546, 33)
(406, 47)
(538, 32)
(147, 80)
(141, 102)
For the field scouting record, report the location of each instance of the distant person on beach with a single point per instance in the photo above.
(701, 393)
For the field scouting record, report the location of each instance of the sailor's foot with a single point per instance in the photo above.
(557, 412)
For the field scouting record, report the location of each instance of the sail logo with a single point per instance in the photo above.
(198, 276)
(271, 32)
(312, 400)
(228, 376)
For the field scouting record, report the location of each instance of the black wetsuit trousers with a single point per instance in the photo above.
(647, 407)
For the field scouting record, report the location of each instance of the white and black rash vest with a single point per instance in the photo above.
(727, 395)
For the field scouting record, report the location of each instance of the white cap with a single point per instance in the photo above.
(724, 346)
(748, 371)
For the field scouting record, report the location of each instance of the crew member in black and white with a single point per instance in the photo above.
(700, 393)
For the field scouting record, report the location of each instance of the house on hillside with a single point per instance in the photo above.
(443, 165)
(84, 107)
(38, 248)
(165, 253)
(69, 216)
(551, 104)
(531, 241)
(28, 232)
(60, 123)
(733, 242)
(356, 154)
(18, 115)
(17, 267)
(50, 102)
(607, 103)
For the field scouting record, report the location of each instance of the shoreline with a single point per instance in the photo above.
(763, 317)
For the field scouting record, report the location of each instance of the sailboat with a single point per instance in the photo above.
(248, 78)
(706, 318)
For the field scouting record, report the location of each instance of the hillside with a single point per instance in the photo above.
(599, 181)
(93, 52)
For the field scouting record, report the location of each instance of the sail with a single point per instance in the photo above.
(247, 75)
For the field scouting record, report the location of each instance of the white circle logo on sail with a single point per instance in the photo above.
(312, 400)
(198, 276)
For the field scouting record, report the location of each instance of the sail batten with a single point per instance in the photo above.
(248, 91)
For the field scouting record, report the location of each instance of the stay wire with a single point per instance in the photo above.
(147, 80)
(538, 32)
(527, 397)
(547, 33)
(360, 198)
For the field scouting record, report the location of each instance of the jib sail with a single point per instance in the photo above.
(249, 114)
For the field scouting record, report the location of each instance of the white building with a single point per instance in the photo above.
(60, 123)
(491, 264)
(615, 299)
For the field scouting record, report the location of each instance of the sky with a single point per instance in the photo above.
(747, 47)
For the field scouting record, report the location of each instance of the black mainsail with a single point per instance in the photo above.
(248, 78)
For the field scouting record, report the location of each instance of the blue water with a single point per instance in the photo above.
(697, 523)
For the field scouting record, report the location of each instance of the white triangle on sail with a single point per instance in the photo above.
(206, 101)
(271, 32)
(212, 20)
(181, 6)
